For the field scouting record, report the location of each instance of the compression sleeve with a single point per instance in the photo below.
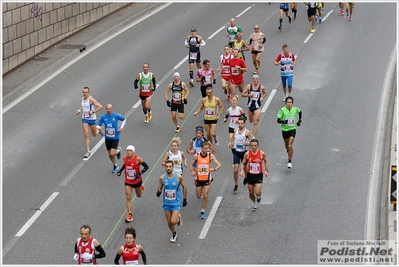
(279, 120)
(123, 123)
(122, 168)
(76, 248)
(117, 258)
(154, 82)
(143, 257)
(135, 83)
(264, 40)
(250, 41)
(101, 253)
(145, 167)
(300, 115)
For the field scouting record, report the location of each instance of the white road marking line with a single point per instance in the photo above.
(216, 32)
(36, 215)
(137, 104)
(210, 217)
(245, 10)
(269, 99)
(180, 63)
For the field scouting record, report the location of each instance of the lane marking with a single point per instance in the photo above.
(210, 217)
(216, 32)
(245, 10)
(36, 215)
(137, 104)
(180, 63)
(269, 99)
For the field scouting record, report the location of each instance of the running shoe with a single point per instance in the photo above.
(289, 165)
(259, 64)
(315, 19)
(100, 131)
(129, 217)
(258, 198)
(280, 27)
(225, 91)
(312, 30)
(180, 222)
(87, 154)
(202, 215)
(142, 187)
(191, 82)
(350, 18)
(235, 189)
(146, 118)
(256, 71)
(347, 16)
(320, 21)
(115, 169)
(173, 238)
(228, 98)
(177, 129)
(118, 156)
(284, 98)
(244, 182)
(289, 19)
(216, 140)
(150, 116)
(342, 13)
(254, 207)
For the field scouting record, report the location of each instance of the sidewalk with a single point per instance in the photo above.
(43, 65)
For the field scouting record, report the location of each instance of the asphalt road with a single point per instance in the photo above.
(337, 84)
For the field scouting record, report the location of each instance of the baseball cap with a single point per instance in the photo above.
(193, 29)
(130, 147)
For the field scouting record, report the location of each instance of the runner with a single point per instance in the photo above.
(311, 6)
(202, 174)
(319, 12)
(256, 93)
(205, 76)
(294, 6)
(180, 94)
(287, 117)
(232, 31)
(130, 250)
(255, 170)
(341, 8)
(112, 133)
(176, 156)
(169, 185)
(237, 67)
(88, 108)
(194, 146)
(240, 45)
(239, 142)
(147, 87)
(193, 43)
(257, 40)
(211, 116)
(349, 6)
(86, 248)
(287, 63)
(133, 178)
(225, 67)
(284, 8)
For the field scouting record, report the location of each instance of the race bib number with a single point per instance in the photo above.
(177, 97)
(131, 262)
(232, 37)
(110, 132)
(226, 70)
(131, 174)
(287, 68)
(145, 88)
(256, 96)
(207, 80)
(176, 162)
(86, 115)
(291, 121)
(209, 112)
(203, 169)
(254, 168)
(235, 71)
(193, 55)
(233, 121)
(170, 194)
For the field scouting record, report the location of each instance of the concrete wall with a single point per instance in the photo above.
(30, 28)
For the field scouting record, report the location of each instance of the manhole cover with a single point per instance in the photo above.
(80, 47)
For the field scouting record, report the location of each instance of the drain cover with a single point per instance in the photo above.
(80, 47)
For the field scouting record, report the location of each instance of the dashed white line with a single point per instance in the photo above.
(36, 215)
(245, 10)
(269, 99)
(216, 32)
(210, 217)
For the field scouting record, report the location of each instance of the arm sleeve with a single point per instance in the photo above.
(76, 248)
(122, 168)
(101, 252)
(143, 257)
(202, 43)
(264, 40)
(279, 120)
(145, 167)
(123, 123)
(154, 83)
(250, 41)
(300, 115)
(117, 258)
(135, 83)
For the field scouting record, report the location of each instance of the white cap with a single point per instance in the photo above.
(176, 74)
(130, 148)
